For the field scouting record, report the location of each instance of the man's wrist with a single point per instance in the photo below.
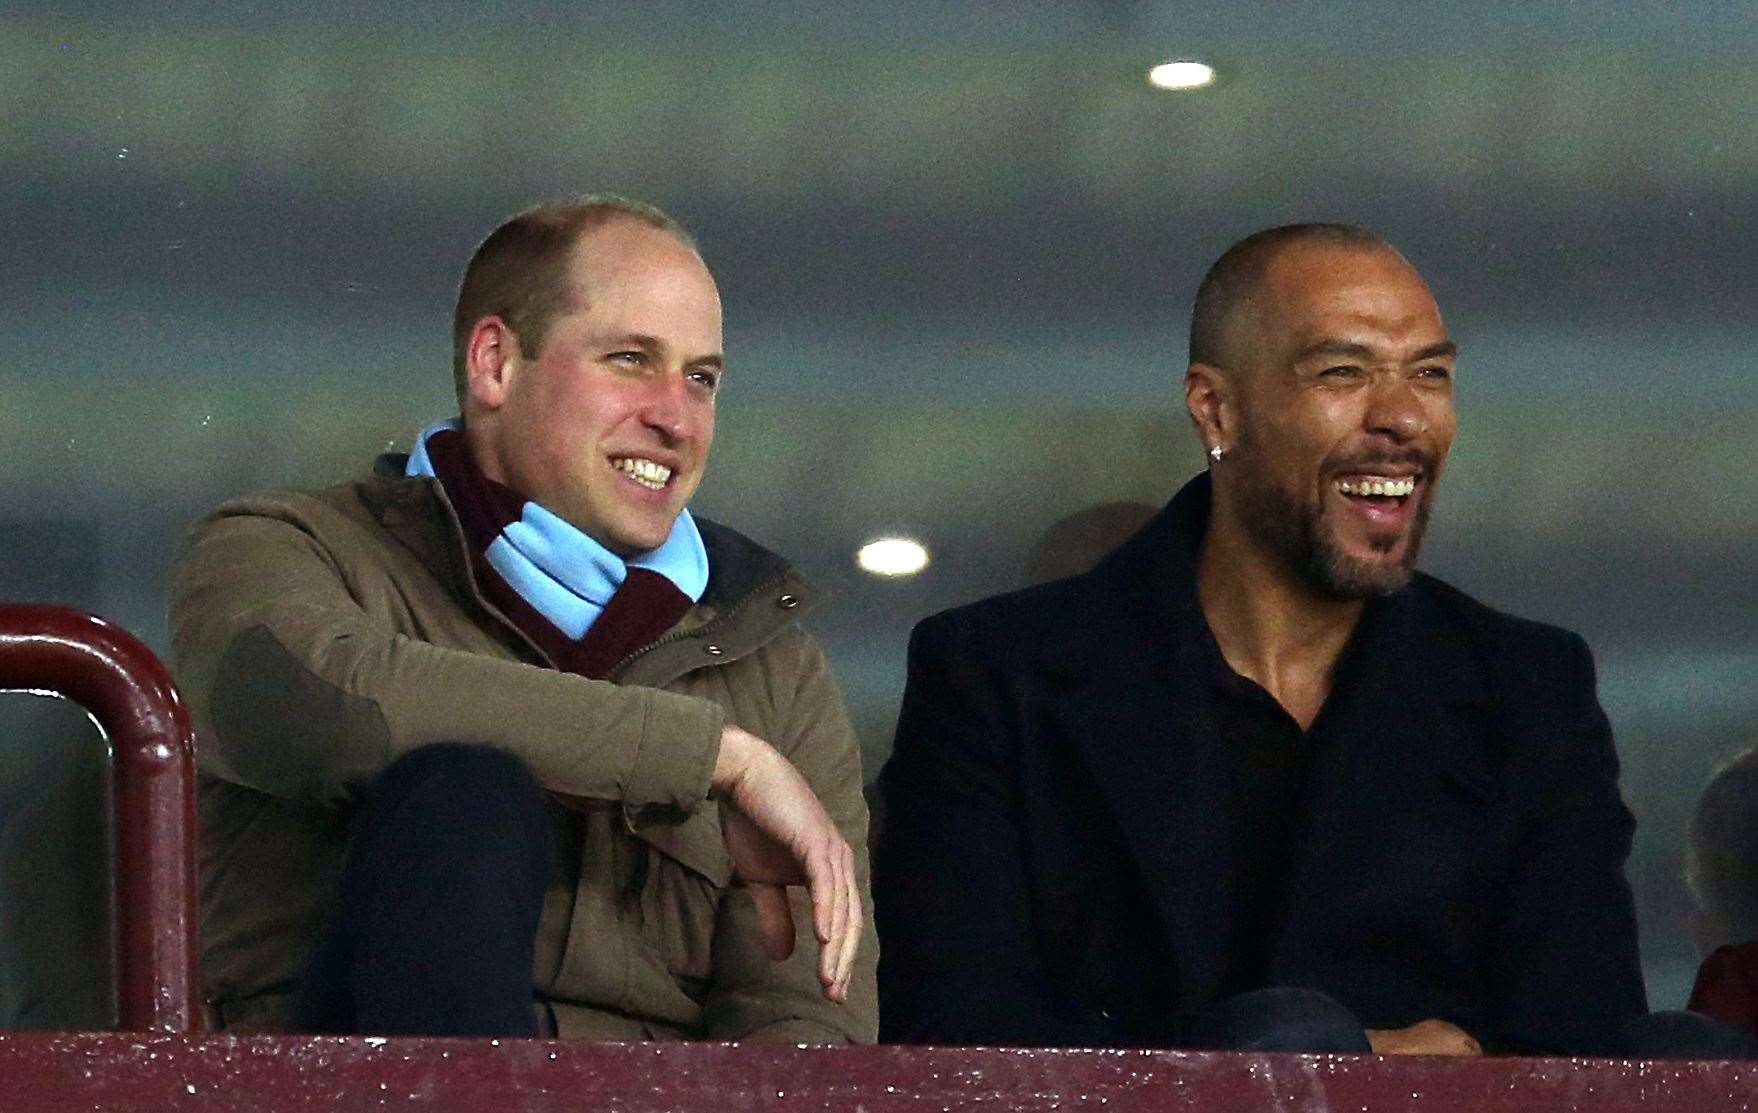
(732, 762)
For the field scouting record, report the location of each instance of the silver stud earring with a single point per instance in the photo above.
(1216, 453)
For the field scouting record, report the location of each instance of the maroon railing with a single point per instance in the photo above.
(130, 694)
(44, 1073)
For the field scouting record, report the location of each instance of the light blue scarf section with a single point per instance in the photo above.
(566, 574)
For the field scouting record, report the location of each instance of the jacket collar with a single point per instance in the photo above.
(1140, 601)
(752, 592)
(1132, 660)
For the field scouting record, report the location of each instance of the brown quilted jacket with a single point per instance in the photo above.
(318, 635)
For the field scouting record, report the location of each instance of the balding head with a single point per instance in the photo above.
(1721, 858)
(1321, 385)
(520, 273)
(1229, 299)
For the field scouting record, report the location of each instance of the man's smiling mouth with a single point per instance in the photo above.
(1376, 486)
(648, 473)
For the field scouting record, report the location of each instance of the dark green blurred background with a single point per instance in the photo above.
(957, 244)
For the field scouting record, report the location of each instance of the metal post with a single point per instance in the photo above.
(130, 694)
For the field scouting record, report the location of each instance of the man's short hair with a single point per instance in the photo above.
(1234, 278)
(1721, 861)
(520, 272)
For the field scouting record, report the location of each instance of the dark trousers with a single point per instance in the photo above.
(1684, 1035)
(451, 852)
(1280, 1018)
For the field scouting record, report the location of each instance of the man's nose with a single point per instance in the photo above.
(665, 407)
(1395, 410)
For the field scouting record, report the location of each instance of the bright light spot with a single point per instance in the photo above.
(892, 556)
(1181, 75)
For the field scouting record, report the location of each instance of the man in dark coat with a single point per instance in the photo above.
(1253, 782)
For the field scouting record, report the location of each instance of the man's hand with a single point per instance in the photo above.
(1425, 1037)
(778, 835)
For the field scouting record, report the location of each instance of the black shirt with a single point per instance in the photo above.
(1267, 755)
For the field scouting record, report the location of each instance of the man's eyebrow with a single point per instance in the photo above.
(1329, 348)
(1352, 350)
(655, 344)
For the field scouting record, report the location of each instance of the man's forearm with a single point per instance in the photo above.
(300, 693)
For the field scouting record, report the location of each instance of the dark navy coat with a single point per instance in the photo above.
(1049, 873)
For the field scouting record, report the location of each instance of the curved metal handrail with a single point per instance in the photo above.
(129, 692)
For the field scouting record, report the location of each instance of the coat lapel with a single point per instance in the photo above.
(1399, 730)
(1136, 711)
(416, 512)
(1150, 746)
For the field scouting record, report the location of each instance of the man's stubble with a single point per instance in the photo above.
(1295, 531)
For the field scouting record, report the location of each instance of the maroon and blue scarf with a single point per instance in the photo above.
(584, 606)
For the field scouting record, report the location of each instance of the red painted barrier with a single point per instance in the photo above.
(130, 694)
(284, 1074)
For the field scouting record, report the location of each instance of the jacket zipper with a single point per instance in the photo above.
(675, 635)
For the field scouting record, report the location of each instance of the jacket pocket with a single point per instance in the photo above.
(694, 842)
(686, 873)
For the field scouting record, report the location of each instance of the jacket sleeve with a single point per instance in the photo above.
(963, 964)
(1563, 969)
(299, 692)
(751, 997)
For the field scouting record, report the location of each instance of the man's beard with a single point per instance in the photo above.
(1298, 533)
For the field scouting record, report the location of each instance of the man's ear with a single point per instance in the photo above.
(491, 360)
(1208, 395)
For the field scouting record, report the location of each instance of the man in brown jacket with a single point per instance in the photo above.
(501, 740)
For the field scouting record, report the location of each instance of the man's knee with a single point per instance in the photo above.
(463, 766)
(457, 803)
(458, 779)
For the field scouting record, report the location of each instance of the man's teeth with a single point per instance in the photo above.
(1377, 485)
(645, 472)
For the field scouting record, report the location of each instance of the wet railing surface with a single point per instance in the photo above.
(130, 695)
(280, 1074)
